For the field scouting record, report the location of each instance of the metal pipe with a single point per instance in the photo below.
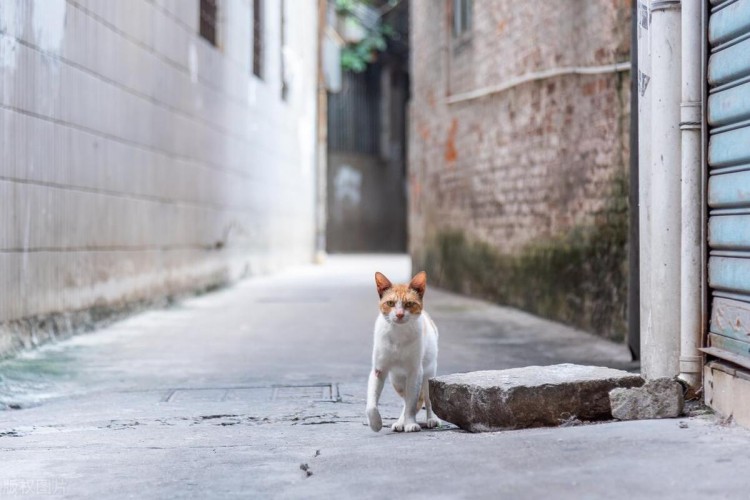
(536, 76)
(661, 346)
(634, 332)
(691, 293)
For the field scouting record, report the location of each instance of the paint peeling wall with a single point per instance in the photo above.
(518, 162)
(138, 161)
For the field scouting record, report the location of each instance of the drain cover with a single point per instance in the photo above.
(317, 392)
(321, 392)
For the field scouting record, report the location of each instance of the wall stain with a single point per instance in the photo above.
(451, 155)
(579, 278)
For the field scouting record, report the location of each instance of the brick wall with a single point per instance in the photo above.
(137, 160)
(519, 192)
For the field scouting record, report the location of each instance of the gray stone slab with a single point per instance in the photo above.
(658, 398)
(532, 396)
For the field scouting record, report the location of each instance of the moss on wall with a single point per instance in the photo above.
(579, 278)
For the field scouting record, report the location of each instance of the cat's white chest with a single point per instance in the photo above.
(398, 345)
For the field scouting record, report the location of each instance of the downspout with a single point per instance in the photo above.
(691, 296)
(634, 327)
(661, 346)
(644, 171)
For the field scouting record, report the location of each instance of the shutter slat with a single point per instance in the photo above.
(730, 274)
(729, 64)
(729, 23)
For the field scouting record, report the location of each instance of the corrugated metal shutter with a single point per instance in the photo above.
(729, 180)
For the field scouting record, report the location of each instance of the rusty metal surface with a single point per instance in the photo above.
(729, 344)
(731, 318)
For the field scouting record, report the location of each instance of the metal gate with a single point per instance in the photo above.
(729, 180)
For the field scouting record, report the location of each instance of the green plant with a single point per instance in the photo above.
(356, 56)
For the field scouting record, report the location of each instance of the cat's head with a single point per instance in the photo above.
(399, 304)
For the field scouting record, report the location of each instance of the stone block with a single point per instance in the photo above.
(658, 398)
(533, 396)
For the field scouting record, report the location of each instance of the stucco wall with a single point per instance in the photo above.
(520, 195)
(138, 161)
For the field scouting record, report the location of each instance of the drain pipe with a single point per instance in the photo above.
(644, 172)
(634, 327)
(691, 287)
(661, 346)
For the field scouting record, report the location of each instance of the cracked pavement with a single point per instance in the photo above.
(257, 391)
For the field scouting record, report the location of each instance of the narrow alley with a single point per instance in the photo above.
(258, 391)
(195, 196)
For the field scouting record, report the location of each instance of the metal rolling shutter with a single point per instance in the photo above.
(729, 180)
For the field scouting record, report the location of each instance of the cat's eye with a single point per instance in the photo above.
(390, 303)
(409, 304)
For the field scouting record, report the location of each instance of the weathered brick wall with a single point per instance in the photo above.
(520, 194)
(137, 160)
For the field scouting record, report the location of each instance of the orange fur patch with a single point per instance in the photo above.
(410, 299)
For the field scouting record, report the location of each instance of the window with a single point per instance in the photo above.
(258, 38)
(208, 20)
(461, 17)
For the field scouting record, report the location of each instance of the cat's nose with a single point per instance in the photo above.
(400, 314)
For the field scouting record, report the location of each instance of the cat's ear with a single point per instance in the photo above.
(382, 283)
(419, 283)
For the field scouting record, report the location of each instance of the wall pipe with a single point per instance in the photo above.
(691, 119)
(634, 327)
(660, 348)
(644, 171)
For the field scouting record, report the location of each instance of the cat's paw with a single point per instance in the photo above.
(432, 423)
(413, 427)
(398, 426)
(373, 418)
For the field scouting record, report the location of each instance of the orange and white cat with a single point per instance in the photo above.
(405, 349)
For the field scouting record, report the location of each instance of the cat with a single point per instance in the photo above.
(405, 349)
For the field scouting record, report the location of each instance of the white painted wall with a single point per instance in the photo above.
(137, 160)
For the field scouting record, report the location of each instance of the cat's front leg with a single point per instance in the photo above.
(413, 389)
(432, 420)
(374, 388)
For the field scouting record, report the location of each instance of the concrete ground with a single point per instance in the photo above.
(236, 393)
